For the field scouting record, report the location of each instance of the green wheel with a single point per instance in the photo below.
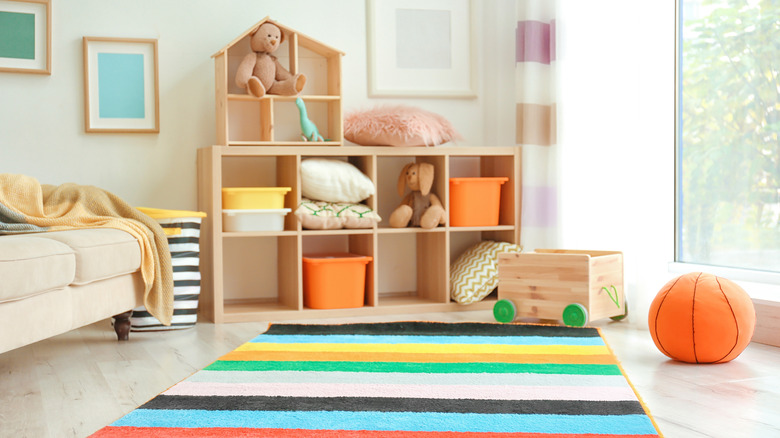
(575, 315)
(504, 311)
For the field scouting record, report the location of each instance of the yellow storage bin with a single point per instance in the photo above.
(253, 198)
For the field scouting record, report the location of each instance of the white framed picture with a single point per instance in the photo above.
(420, 48)
(25, 36)
(121, 85)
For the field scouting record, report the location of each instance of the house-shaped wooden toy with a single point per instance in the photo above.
(246, 120)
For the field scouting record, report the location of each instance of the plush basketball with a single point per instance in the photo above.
(701, 318)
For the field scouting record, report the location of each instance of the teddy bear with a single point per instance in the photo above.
(420, 207)
(260, 72)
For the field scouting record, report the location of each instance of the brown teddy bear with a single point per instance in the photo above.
(260, 72)
(422, 208)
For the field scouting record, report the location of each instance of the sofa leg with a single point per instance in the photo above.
(122, 325)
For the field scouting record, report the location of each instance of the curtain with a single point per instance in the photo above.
(536, 119)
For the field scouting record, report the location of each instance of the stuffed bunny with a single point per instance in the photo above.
(420, 207)
(260, 72)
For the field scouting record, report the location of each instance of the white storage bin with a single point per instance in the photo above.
(254, 220)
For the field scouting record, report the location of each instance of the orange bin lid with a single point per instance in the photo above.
(500, 179)
(336, 257)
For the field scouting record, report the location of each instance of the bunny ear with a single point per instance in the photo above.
(402, 179)
(425, 175)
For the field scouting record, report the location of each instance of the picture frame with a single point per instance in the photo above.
(420, 48)
(25, 36)
(121, 85)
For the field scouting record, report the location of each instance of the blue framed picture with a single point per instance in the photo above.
(25, 36)
(120, 85)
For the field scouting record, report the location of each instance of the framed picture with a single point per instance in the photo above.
(420, 48)
(25, 36)
(121, 85)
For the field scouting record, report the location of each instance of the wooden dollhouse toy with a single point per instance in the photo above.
(246, 120)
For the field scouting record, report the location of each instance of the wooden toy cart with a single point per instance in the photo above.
(555, 284)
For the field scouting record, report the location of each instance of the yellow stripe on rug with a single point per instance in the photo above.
(429, 348)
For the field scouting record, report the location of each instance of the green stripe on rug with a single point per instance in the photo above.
(413, 367)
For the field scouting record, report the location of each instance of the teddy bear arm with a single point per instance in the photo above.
(245, 69)
(408, 200)
(434, 200)
(281, 73)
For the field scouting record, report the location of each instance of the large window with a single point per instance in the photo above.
(728, 122)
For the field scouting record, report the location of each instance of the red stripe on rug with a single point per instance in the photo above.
(216, 432)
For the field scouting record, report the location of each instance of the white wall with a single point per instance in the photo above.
(615, 154)
(616, 104)
(42, 117)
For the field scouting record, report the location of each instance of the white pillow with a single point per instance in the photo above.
(331, 180)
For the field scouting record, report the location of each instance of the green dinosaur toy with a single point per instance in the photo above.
(308, 128)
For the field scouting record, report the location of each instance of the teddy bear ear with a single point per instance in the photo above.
(425, 175)
(283, 36)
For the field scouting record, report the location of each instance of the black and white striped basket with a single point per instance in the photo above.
(183, 242)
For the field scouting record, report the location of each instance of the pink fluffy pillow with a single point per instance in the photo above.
(398, 125)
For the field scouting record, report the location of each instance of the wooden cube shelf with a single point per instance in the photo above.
(257, 276)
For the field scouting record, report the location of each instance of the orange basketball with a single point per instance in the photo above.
(701, 318)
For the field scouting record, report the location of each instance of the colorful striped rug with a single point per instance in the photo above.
(405, 380)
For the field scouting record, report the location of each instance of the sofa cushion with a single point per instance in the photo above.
(30, 265)
(101, 253)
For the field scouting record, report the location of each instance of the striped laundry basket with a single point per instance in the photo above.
(183, 231)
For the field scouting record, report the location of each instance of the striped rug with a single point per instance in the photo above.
(405, 380)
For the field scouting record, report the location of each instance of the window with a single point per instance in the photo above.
(728, 120)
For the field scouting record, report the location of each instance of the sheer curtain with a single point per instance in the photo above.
(536, 119)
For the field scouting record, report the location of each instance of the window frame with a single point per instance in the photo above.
(761, 282)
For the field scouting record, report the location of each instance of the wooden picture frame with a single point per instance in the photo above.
(121, 85)
(25, 36)
(420, 48)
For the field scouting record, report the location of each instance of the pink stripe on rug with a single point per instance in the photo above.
(492, 392)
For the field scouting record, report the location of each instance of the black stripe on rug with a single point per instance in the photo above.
(432, 329)
(381, 404)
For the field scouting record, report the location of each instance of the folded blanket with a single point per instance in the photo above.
(27, 206)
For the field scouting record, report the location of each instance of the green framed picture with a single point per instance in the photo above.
(120, 85)
(25, 36)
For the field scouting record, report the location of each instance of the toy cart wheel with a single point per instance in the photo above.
(624, 315)
(504, 311)
(575, 315)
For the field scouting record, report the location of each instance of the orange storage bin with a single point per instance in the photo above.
(334, 280)
(475, 202)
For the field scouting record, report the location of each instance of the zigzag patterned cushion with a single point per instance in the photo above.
(475, 273)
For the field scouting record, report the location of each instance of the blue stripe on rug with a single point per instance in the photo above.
(392, 421)
(401, 339)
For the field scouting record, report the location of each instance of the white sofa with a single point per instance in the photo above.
(54, 282)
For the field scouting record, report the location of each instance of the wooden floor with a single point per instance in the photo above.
(76, 383)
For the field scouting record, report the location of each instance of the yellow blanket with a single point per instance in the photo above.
(27, 206)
